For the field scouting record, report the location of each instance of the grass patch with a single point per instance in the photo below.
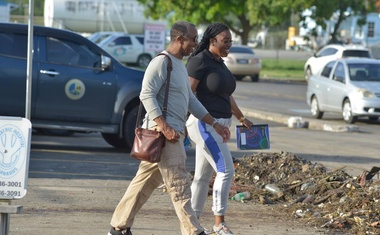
(282, 69)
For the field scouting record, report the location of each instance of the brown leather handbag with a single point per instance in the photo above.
(148, 144)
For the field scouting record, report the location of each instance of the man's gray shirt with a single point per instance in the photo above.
(181, 98)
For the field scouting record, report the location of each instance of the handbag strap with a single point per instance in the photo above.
(165, 105)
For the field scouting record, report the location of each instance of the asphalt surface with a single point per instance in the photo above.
(85, 206)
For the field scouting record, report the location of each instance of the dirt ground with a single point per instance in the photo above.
(56, 206)
(309, 201)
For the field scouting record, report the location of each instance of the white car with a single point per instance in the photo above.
(127, 48)
(350, 86)
(243, 61)
(331, 52)
(99, 36)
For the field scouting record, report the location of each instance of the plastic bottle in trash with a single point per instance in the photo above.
(273, 189)
(241, 196)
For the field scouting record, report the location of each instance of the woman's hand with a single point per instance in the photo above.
(247, 123)
(223, 131)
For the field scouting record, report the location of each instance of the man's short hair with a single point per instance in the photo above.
(180, 28)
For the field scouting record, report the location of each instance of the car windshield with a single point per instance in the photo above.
(356, 53)
(241, 50)
(364, 72)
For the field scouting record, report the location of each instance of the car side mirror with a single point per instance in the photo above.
(105, 62)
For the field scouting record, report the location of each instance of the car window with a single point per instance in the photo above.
(122, 41)
(13, 44)
(339, 72)
(100, 38)
(327, 69)
(364, 72)
(356, 53)
(140, 39)
(327, 52)
(241, 50)
(71, 53)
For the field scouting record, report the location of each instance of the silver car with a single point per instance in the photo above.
(350, 86)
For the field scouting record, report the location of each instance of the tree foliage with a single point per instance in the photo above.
(338, 11)
(242, 16)
(23, 7)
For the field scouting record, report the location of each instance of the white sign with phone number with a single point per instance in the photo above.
(15, 135)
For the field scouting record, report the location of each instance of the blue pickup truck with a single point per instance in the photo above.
(76, 86)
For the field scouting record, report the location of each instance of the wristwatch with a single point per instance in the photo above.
(242, 119)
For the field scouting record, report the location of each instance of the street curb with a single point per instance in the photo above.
(313, 124)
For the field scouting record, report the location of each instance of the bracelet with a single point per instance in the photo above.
(242, 119)
(215, 122)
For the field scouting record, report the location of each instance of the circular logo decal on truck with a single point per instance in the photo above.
(75, 89)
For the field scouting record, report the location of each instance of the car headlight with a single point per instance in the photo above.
(363, 93)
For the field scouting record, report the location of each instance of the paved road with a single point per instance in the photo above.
(75, 182)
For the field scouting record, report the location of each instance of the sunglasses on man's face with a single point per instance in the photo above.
(194, 39)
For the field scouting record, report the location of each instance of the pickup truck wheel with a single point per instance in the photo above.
(129, 125)
(114, 140)
(144, 60)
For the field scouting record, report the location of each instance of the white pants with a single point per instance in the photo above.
(211, 155)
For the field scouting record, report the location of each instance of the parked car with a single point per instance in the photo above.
(331, 52)
(349, 86)
(127, 48)
(242, 61)
(76, 86)
(99, 36)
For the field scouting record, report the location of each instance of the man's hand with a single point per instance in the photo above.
(169, 132)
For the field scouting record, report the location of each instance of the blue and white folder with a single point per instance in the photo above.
(255, 138)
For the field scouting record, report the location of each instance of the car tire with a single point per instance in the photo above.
(128, 135)
(143, 60)
(114, 140)
(308, 74)
(239, 77)
(255, 78)
(314, 108)
(347, 112)
(129, 125)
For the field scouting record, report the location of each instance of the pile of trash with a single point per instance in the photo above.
(306, 190)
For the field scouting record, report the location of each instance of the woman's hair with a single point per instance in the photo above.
(180, 28)
(211, 31)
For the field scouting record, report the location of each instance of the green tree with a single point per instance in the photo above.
(338, 11)
(242, 16)
(23, 7)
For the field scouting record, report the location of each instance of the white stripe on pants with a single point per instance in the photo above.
(211, 155)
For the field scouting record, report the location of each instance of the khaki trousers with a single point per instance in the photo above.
(172, 170)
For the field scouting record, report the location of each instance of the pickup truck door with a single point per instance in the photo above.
(71, 86)
(13, 62)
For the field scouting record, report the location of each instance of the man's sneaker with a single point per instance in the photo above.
(120, 232)
(222, 229)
